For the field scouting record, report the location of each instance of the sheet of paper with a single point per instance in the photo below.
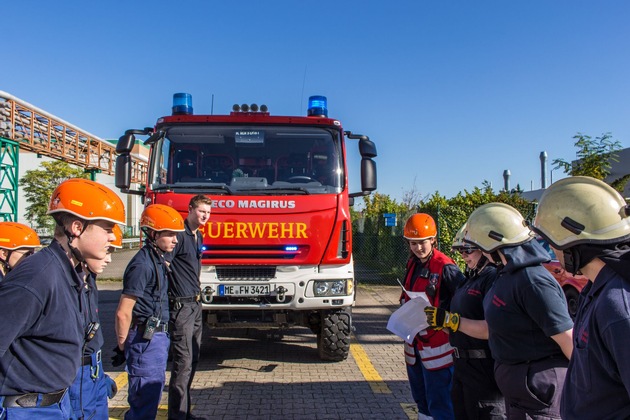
(409, 319)
(413, 295)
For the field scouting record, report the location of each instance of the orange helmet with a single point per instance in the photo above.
(420, 226)
(118, 233)
(16, 235)
(159, 217)
(88, 200)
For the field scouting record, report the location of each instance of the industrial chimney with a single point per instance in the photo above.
(543, 169)
(506, 180)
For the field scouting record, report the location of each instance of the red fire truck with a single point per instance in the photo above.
(278, 246)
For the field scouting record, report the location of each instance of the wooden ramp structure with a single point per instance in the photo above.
(25, 127)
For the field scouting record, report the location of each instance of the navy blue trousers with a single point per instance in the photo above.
(146, 367)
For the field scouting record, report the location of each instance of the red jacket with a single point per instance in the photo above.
(433, 346)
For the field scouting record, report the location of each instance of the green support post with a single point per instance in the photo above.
(92, 173)
(9, 170)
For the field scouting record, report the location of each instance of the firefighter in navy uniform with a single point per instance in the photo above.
(587, 223)
(186, 325)
(142, 315)
(475, 393)
(17, 241)
(92, 387)
(527, 321)
(429, 360)
(44, 302)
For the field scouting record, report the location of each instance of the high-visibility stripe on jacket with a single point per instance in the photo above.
(434, 358)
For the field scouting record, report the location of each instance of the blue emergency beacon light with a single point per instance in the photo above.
(317, 106)
(182, 104)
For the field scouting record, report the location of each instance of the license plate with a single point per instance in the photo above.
(244, 289)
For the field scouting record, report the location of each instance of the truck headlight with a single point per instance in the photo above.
(330, 287)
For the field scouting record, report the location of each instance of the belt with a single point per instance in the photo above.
(30, 400)
(163, 327)
(469, 353)
(184, 299)
(87, 360)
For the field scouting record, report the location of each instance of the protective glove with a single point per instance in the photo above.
(440, 318)
(110, 385)
(118, 358)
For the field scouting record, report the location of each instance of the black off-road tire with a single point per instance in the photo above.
(333, 341)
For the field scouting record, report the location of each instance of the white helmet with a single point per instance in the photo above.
(458, 239)
(496, 225)
(582, 210)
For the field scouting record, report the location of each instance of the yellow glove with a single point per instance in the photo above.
(439, 318)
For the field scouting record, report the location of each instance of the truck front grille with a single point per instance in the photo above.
(246, 273)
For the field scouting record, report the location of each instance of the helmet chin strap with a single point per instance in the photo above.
(480, 265)
(496, 258)
(151, 241)
(5, 263)
(75, 251)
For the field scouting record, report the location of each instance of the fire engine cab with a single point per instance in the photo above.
(278, 247)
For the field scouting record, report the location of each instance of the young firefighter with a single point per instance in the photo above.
(527, 324)
(44, 302)
(185, 325)
(587, 223)
(142, 314)
(429, 360)
(17, 241)
(92, 387)
(475, 393)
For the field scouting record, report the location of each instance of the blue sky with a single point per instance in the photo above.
(452, 92)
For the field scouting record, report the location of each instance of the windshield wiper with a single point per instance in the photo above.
(195, 186)
(287, 189)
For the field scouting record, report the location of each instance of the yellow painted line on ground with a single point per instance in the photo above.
(121, 380)
(410, 410)
(118, 412)
(368, 370)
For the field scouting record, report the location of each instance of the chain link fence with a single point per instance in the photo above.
(381, 252)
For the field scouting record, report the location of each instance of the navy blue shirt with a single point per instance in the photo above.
(525, 307)
(141, 280)
(186, 264)
(468, 303)
(597, 385)
(91, 315)
(41, 314)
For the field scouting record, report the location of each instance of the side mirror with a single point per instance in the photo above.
(123, 171)
(368, 175)
(367, 148)
(125, 144)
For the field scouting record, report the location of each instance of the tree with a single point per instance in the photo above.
(593, 158)
(382, 249)
(412, 198)
(39, 185)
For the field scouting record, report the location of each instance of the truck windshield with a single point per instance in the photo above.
(248, 159)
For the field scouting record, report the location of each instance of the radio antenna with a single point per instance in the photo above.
(302, 95)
